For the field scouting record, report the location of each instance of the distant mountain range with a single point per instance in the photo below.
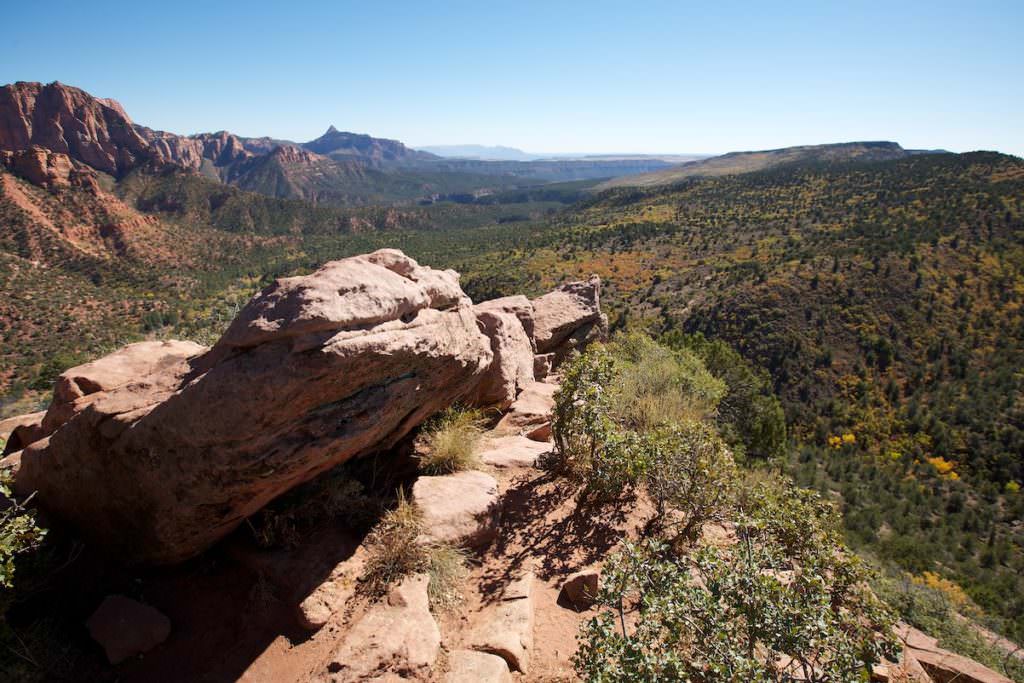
(56, 128)
(500, 153)
(480, 152)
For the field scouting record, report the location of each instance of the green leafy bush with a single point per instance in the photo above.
(690, 470)
(20, 533)
(750, 416)
(748, 612)
(658, 385)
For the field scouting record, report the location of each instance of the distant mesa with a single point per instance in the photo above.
(748, 162)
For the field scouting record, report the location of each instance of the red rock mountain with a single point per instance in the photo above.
(64, 120)
(69, 121)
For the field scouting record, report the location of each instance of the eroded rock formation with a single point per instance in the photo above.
(161, 448)
(314, 371)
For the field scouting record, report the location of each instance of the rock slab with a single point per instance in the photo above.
(512, 451)
(469, 666)
(460, 508)
(507, 629)
(397, 636)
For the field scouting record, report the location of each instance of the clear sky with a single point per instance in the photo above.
(592, 76)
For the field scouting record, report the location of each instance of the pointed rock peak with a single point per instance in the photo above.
(331, 130)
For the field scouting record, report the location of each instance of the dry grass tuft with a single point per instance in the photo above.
(450, 442)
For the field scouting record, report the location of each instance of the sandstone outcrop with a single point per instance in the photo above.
(49, 169)
(569, 318)
(923, 660)
(69, 121)
(314, 371)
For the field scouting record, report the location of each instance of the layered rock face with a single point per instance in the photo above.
(314, 371)
(161, 448)
(97, 133)
(69, 121)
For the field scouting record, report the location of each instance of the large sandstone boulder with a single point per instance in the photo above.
(569, 318)
(314, 371)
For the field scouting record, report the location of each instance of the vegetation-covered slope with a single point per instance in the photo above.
(885, 301)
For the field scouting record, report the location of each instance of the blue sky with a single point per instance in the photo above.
(548, 76)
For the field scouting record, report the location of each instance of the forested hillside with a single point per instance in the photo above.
(885, 301)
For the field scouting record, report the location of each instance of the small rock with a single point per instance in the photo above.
(459, 508)
(542, 365)
(125, 627)
(508, 628)
(542, 433)
(469, 666)
(580, 589)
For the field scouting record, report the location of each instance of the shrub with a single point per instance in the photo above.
(450, 442)
(750, 416)
(690, 470)
(658, 385)
(20, 534)
(332, 495)
(616, 425)
(394, 551)
(581, 424)
(744, 613)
